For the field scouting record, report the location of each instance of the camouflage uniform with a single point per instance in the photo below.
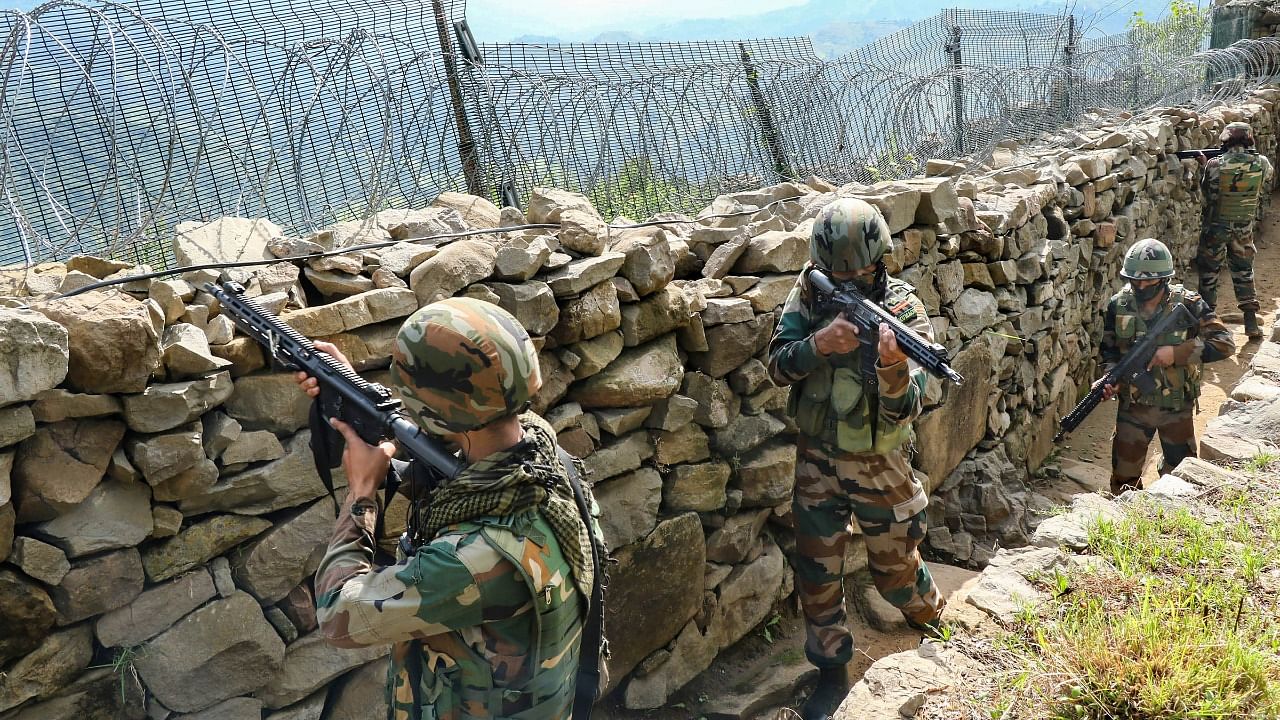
(486, 616)
(1169, 408)
(851, 460)
(1235, 187)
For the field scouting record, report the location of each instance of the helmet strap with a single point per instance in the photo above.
(880, 286)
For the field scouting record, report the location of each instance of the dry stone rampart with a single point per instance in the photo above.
(158, 500)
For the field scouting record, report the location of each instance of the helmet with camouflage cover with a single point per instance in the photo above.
(1240, 132)
(462, 363)
(849, 234)
(1148, 259)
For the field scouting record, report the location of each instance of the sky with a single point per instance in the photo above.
(503, 19)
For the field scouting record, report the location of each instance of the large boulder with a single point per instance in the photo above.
(199, 544)
(731, 345)
(26, 614)
(660, 313)
(271, 566)
(222, 650)
(640, 376)
(269, 402)
(98, 584)
(36, 352)
(100, 694)
(61, 464)
(310, 664)
(155, 610)
(476, 212)
(629, 506)
(650, 264)
(284, 483)
(116, 514)
(166, 406)
(949, 432)
(113, 341)
(59, 659)
(590, 315)
(456, 266)
(225, 240)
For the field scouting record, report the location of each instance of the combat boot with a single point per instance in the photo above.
(1251, 328)
(833, 686)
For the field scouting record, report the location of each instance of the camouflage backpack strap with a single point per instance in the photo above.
(595, 648)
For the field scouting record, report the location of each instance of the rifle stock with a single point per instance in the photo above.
(867, 316)
(1131, 370)
(369, 408)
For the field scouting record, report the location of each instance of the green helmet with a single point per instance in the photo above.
(1147, 260)
(1238, 131)
(462, 363)
(849, 234)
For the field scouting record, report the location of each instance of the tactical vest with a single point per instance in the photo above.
(1240, 179)
(463, 686)
(1176, 387)
(833, 406)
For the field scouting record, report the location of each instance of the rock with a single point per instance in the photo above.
(361, 693)
(671, 413)
(225, 240)
(629, 506)
(239, 708)
(102, 694)
(115, 515)
(256, 446)
(41, 561)
(165, 455)
(732, 345)
(98, 584)
(650, 263)
(1203, 474)
(648, 587)
(198, 544)
(284, 483)
(938, 200)
(594, 313)
(726, 310)
(579, 275)
(190, 483)
(16, 424)
(269, 402)
(769, 293)
(1242, 433)
(949, 432)
(311, 663)
(521, 259)
(1071, 530)
(8, 517)
(716, 403)
(56, 404)
(897, 686)
(663, 311)
(1173, 487)
(166, 406)
(896, 201)
(352, 312)
(744, 433)
(313, 707)
(776, 251)
(698, 487)
(595, 354)
(732, 542)
(402, 258)
(166, 521)
(96, 267)
(113, 343)
(624, 455)
(975, 311)
(59, 659)
(277, 278)
(423, 223)
(640, 376)
(220, 651)
(61, 464)
(155, 610)
(456, 266)
(185, 352)
(244, 354)
(583, 232)
(682, 445)
(547, 205)
(287, 247)
(1005, 588)
(271, 566)
(335, 283)
(172, 297)
(26, 615)
(36, 352)
(621, 421)
(532, 303)
(476, 212)
(767, 475)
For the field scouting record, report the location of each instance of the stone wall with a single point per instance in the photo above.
(161, 517)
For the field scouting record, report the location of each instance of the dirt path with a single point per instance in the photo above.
(1091, 442)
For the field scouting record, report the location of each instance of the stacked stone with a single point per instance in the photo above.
(159, 503)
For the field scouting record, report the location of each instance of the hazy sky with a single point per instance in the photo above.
(499, 20)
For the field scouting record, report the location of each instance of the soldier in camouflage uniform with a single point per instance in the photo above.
(1175, 367)
(1235, 186)
(486, 614)
(851, 456)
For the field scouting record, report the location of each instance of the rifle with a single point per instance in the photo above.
(1192, 154)
(867, 315)
(1131, 370)
(369, 408)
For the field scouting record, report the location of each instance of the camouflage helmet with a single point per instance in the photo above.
(1147, 260)
(462, 363)
(1238, 131)
(849, 234)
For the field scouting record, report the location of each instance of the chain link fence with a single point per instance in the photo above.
(117, 122)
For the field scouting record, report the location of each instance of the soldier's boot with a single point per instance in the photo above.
(833, 686)
(1251, 327)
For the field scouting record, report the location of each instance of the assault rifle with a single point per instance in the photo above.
(1192, 154)
(1131, 370)
(867, 315)
(369, 408)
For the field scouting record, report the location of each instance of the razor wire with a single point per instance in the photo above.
(120, 122)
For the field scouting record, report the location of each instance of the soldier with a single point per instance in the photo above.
(1175, 367)
(486, 615)
(1235, 186)
(851, 456)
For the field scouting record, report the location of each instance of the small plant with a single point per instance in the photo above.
(767, 630)
(1263, 461)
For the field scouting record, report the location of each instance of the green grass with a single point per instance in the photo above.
(1186, 626)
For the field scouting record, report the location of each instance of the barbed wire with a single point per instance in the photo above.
(119, 122)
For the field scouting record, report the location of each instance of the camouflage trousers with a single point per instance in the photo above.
(1233, 243)
(888, 503)
(1136, 425)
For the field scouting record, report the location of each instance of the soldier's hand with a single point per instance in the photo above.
(366, 465)
(1202, 158)
(1108, 391)
(308, 383)
(840, 337)
(1163, 357)
(890, 353)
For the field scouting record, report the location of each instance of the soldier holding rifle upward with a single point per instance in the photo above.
(1164, 396)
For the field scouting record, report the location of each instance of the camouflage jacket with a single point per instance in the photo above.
(828, 399)
(485, 618)
(1177, 386)
(1211, 182)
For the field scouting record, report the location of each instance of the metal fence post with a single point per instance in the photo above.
(957, 89)
(771, 136)
(466, 141)
(1069, 62)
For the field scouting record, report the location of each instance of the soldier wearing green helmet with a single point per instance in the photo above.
(852, 446)
(1236, 186)
(1168, 408)
(485, 606)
